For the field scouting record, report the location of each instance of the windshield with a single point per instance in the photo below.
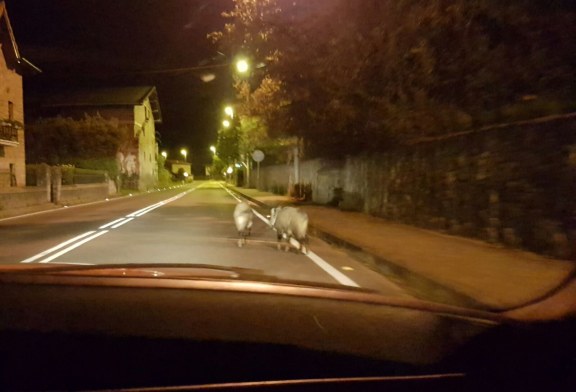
(418, 150)
(213, 191)
(390, 180)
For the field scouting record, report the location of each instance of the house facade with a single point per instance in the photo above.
(12, 66)
(138, 111)
(180, 169)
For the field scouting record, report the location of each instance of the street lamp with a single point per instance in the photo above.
(164, 154)
(213, 149)
(229, 110)
(226, 123)
(242, 66)
(184, 152)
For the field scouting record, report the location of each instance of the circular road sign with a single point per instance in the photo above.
(258, 155)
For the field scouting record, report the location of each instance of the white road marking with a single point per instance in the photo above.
(339, 276)
(142, 210)
(262, 217)
(63, 244)
(101, 231)
(122, 223)
(74, 246)
(329, 269)
(111, 223)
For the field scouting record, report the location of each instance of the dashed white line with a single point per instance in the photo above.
(142, 210)
(150, 209)
(101, 231)
(111, 223)
(122, 223)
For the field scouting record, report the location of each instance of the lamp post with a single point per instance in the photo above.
(184, 152)
(243, 70)
(229, 171)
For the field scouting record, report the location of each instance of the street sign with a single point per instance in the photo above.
(258, 156)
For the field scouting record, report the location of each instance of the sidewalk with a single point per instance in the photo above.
(16, 212)
(496, 277)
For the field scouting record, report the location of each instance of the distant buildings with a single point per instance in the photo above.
(179, 169)
(12, 66)
(136, 108)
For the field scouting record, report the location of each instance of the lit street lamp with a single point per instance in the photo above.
(226, 123)
(229, 110)
(164, 154)
(242, 66)
(184, 152)
(213, 149)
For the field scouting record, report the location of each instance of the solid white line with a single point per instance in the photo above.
(339, 276)
(111, 223)
(63, 244)
(329, 269)
(77, 244)
(262, 217)
(122, 222)
(231, 194)
(60, 262)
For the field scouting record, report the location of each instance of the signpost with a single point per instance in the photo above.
(258, 157)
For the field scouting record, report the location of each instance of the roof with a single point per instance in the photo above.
(9, 46)
(115, 96)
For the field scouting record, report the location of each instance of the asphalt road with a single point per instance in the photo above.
(188, 225)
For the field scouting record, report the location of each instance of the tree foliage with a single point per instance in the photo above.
(361, 75)
(63, 140)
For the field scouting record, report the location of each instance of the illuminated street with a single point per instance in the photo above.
(191, 225)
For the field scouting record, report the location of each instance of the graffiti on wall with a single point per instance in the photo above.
(128, 166)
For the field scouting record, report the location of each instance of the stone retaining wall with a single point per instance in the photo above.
(512, 184)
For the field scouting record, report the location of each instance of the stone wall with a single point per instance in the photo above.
(22, 198)
(512, 184)
(77, 194)
(45, 186)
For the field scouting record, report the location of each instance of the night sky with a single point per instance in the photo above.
(108, 43)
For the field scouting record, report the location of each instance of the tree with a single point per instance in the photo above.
(62, 140)
(364, 75)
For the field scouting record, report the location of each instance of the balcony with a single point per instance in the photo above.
(9, 133)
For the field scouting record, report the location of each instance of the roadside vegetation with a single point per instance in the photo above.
(343, 76)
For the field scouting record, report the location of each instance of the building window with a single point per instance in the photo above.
(2, 153)
(13, 175)
(10, 110)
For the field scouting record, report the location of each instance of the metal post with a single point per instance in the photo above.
(296, 172)
(247, 160)
(258, 175)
